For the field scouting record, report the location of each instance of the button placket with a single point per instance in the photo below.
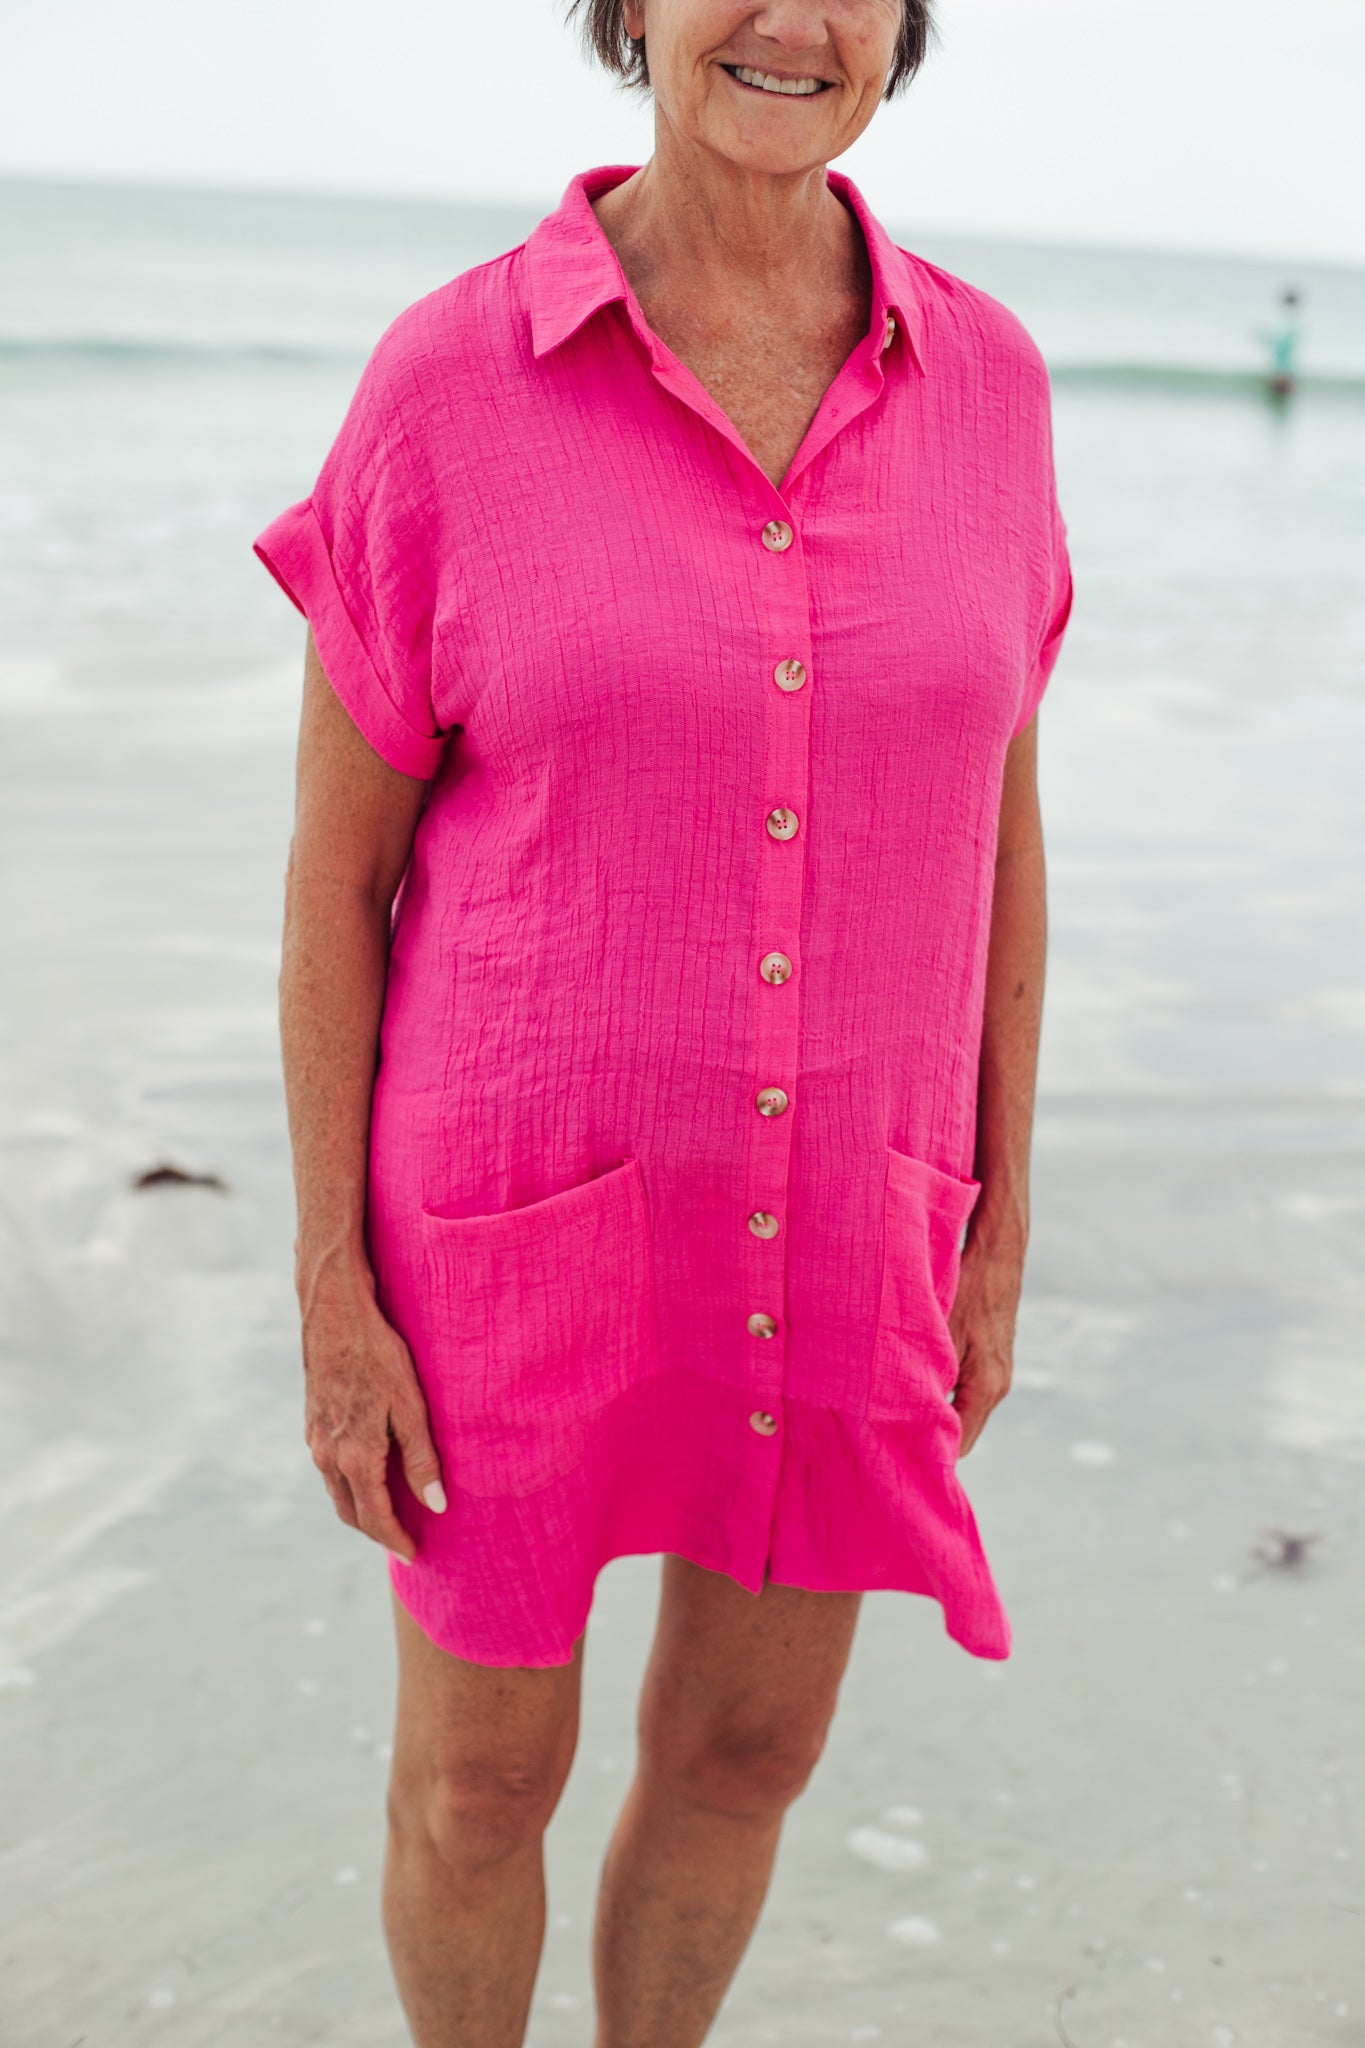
(778, 842)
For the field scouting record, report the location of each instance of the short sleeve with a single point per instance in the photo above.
(1056, 612)
(358, 559)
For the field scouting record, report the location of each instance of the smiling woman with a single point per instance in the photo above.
(614, 31)
(683, 585)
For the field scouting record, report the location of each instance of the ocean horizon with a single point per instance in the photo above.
(174, 363)
(1094, 309)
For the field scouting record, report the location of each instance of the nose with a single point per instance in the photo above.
(796, 26)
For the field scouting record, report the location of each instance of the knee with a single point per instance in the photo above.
(748, 1770)
(472, 1812)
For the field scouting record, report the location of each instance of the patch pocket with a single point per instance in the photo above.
(530, 1322)
(914, 1360)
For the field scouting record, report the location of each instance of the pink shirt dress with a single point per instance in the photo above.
(673, 1126)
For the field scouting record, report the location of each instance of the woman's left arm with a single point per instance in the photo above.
(983, 1314)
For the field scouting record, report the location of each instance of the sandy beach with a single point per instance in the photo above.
(1142, 1831)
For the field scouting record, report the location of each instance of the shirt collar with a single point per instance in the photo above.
(573, 271)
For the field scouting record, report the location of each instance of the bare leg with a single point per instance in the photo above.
(480, 1759)
(734, 1709)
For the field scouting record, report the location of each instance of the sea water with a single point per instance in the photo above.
(174, 364)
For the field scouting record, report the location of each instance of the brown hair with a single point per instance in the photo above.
(603, 29)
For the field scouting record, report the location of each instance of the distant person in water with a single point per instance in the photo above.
(1283, 343)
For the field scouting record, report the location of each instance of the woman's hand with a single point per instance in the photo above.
(981, 1324)
(353, 836)
(361, 1390)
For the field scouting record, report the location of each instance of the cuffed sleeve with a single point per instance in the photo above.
(357, 558)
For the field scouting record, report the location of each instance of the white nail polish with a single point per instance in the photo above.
(398, 1557)
(435, 1497)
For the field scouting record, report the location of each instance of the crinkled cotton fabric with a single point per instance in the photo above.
(673, 1127)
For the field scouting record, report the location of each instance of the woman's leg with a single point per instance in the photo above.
(734, 1709)
(480, 1758)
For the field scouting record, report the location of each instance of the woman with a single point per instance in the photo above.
(663, 970)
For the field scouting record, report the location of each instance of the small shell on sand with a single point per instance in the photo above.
(885, 1851)
(915, 1932)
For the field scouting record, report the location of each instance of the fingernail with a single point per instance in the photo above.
(398, 1557)
(435, 1497)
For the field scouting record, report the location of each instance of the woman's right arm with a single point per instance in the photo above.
(354, 823)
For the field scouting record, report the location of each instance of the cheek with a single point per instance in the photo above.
(869, 35)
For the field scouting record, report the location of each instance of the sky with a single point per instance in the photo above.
(1208, 124)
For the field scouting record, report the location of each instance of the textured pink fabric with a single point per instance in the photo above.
(534, 562)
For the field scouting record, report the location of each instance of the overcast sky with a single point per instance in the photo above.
(1233, 124)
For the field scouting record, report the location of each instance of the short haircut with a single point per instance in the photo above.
(603, 28)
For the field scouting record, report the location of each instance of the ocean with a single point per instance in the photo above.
(1142, 1829)
(173, 365)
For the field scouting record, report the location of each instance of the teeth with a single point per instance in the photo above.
(765, 80)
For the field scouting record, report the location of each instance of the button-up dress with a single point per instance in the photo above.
(673, 1131)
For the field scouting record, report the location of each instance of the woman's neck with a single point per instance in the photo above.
(689, 223)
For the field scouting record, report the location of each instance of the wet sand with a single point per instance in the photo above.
(1142, 1831)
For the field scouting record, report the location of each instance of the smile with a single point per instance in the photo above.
(764, 81)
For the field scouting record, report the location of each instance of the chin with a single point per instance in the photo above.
(767, 154)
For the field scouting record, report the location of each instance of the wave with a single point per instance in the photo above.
(167, 350)
(135, 349)
(1203, 377)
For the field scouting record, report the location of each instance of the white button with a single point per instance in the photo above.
(789, 675)
(890, 330)
(777, 536)
(775, 967)
(764, 1225)
(770, 1101)
(782, 823)
(762, 1422)
(760, 1325)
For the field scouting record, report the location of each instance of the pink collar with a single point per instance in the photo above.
(573, 271)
